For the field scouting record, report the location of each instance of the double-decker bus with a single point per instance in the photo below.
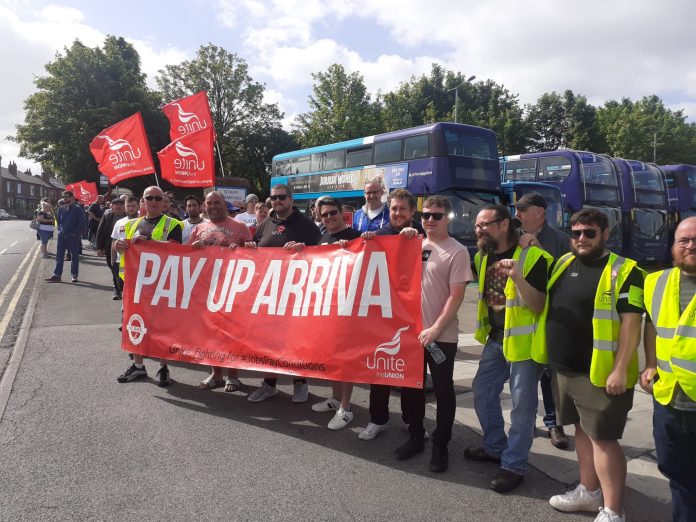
(585, 179)
(681, 185)
(454, 160)
(645, 211)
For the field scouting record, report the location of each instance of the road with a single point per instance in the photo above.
(76, 445)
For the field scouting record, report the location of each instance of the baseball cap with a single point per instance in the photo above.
(532, 199)
(251, 197)
(232, 208)
(67, 194)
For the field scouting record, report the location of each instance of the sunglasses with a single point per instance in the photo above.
(437, 216)
(329, 213)
(281, 197)
(153, 198)
(589, 233)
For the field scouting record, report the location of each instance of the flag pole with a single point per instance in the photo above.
(217, 148)
(156, 180)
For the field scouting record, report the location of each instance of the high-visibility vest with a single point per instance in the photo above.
(159, 233)
(676, 335)
(520, 320)
(606, 322)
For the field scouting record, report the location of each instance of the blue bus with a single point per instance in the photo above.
(514, 190)
(681, 185)
(585, 179)
(645, 211)
(455, 160)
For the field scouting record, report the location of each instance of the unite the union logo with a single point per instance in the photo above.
(121, 150)
(188, 159)
(190, 122)
(136, 329)
(384, 359)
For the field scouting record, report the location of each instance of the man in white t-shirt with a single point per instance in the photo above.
(119, 231)
(249, 217)
(193, 210)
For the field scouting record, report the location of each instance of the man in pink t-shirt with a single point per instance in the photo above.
(220, 230)
(446, 272)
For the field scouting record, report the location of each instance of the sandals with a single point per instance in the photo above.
(232, 384)
(210, 383)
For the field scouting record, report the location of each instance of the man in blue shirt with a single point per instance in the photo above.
(375, 214)
(70, 219)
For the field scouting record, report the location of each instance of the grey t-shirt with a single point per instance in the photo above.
(687, 289)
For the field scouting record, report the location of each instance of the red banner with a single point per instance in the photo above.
(189, 161)
(84, 191)
(347, 314)
(187, 115)
(122, 150)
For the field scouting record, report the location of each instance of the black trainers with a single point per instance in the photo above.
(132, 373)
(410, 448)
(505, 481)
(439, 459)
(479, 454)
(163, 379)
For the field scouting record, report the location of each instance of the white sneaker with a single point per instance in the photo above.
(341, 419)
(300, 392)
(327, 405)
(578, 499)
(607, 515)
(263, 393)
(370, 431)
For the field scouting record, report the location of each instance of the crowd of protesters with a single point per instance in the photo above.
(557, 310)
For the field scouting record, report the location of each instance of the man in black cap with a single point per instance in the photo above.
(531, 212)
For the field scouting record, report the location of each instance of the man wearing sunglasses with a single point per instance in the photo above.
(446, 272)
(512, 285)
(531, 213)
(670, 368)
(593, 313)
(285, 227)
(156, 226)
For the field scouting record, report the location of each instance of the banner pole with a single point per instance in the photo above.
(156, 180)
(217, 148)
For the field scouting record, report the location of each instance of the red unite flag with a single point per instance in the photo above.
(188, 161)
(187, 115)
(84, 191)
(122, 150)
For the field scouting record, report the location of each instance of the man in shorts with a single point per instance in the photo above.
(595, 305)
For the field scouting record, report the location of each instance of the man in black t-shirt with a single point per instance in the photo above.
(592, 372)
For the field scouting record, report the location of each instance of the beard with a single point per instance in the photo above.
(487, 244)
(591, 255)
(680, 261)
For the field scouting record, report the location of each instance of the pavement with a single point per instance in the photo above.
(74, 444)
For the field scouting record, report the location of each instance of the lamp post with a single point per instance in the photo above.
(456, 94)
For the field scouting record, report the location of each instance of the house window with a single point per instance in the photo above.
(19, 188)
(9, 187)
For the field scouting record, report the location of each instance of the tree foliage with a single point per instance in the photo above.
(340, 109)
(85, 90)
(249, 130)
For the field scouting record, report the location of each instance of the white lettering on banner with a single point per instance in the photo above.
(125, 156)
(143, 280)
(297, 287)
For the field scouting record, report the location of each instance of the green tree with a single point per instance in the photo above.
(646, 130)
(249, 131)
(340, 109)
(85, 90)
(556, 121)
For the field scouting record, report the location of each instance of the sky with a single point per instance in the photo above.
(602, 49)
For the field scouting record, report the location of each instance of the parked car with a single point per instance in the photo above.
(4, 214)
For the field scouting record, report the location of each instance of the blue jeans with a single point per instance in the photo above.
(492, 373)
(547, 397)
(675, 439)
(71, 243)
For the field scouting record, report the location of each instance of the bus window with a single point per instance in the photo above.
(301, 165)
(388, 151)
(461, 144)
(691, 178)
(520, 170)
(282, 168)
(649, 224)
(317, 162)
(416, 147)
(554, 168)
(648, 179)
(359, 157)
(335, 159)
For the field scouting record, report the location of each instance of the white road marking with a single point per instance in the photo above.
(3, 251)
(13, 244)
(15, 276)
(18, 293)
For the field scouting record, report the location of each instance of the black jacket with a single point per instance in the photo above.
(276, 232)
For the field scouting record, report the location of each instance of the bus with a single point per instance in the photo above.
(645, 211)
(681, 185)
(455, 160)
(514, 190)
(585, 179)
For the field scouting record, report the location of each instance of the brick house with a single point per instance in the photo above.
(20, 192)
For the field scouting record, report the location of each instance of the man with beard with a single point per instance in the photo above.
(531, 212)
(193, 209)
(512, 286)
(285, 227)
(670, 359)
(593, 313)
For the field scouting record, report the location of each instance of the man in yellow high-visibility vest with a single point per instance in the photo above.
(593, 314)
(670, 360)
(156, 226)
